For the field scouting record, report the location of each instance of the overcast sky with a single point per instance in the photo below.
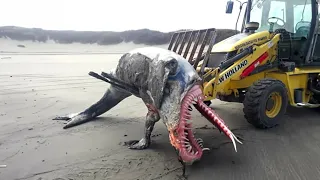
(117, 15)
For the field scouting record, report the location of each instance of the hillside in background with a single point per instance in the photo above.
(142, 36)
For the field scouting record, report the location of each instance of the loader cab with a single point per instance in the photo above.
(295, 20)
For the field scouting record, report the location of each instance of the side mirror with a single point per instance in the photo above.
(229, 7)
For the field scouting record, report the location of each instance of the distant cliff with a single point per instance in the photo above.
(142, 36)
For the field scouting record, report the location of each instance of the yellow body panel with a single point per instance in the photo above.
(240, 41)
(291, 80)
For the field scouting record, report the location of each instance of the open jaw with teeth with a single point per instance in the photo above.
(182, 138)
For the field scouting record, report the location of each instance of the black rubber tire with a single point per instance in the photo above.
(255, 103)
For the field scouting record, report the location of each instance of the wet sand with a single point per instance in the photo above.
(36, 88)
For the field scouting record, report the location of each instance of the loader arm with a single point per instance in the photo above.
(234, 72)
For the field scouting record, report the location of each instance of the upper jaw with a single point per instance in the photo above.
(181, 136)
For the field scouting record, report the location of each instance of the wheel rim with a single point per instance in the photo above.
(273, 105)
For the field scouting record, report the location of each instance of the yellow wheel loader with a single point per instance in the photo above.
(273, 62)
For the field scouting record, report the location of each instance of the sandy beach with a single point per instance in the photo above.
(36, 87)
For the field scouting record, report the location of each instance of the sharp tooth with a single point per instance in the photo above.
(196, 153)
(236, 138)
(189, 148)
(205, 149)
(233, 137)
(187, 116)
(200, 140)
(185, 138)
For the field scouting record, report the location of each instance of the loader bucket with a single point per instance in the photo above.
(194, 45)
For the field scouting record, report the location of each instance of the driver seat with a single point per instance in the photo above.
(284, 45)
(303, 30)
(291, 48)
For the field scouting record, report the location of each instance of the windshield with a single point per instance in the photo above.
(292, 15)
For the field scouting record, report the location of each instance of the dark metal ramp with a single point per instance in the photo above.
(194, 45)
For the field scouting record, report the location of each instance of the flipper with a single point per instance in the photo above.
(151, 118)
(111, 98)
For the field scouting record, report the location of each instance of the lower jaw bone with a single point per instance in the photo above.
(216, 121)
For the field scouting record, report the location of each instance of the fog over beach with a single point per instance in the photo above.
(18, 39)
(8, 46)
